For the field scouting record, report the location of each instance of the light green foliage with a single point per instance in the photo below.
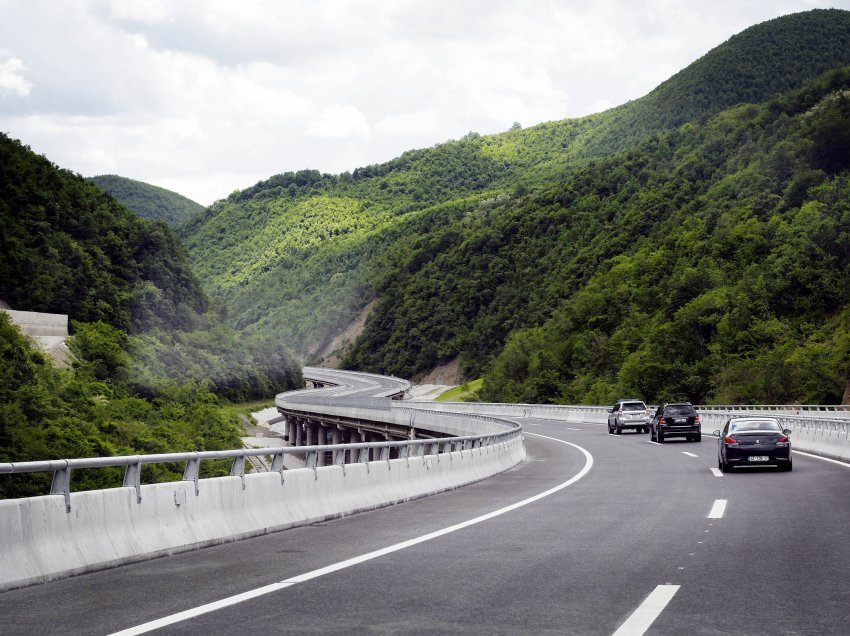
(46, 413)
(467, 392)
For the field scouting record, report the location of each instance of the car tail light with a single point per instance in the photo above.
(661, 420)
(782, 440)
(731, 441)
(696, 419)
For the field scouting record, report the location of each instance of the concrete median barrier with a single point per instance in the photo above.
(105, 528)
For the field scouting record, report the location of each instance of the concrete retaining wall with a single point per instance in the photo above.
(38, 324)
(41, 541)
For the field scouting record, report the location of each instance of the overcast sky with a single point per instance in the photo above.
(205, 97)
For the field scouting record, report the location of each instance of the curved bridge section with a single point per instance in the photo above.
(394, 454)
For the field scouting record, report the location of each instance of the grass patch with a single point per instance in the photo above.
(243, 410)
(464, 393)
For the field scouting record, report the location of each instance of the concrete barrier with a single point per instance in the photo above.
(105, 528)
(815, 431)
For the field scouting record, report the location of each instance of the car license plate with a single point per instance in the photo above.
(680, 421)
(758, 458)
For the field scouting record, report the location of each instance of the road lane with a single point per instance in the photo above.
(579, 561)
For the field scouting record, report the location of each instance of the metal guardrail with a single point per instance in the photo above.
(382, 410)
(821, 410)
(341, 399)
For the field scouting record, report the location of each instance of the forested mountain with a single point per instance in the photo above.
(474, 240)
(707, 263)
(148, 201)
(152, 358)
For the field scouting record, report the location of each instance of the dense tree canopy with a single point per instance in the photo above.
(149, 201)
(153, 356)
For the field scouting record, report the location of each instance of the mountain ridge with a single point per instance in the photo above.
(147, 200)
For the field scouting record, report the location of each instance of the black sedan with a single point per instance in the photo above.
(675, 420)
(753, 441)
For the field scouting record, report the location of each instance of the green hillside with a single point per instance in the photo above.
(148, 201)
(152, 358)
(707, 263)
(471, 240)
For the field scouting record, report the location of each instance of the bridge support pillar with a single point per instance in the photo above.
(321, 440)
(355, 437)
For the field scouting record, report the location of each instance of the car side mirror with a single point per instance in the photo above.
(786, 431)
(716, 433)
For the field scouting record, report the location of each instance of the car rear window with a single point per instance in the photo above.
(679, 409)
(634, 406)
(755, 425)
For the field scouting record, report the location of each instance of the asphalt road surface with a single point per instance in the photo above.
(593, 534)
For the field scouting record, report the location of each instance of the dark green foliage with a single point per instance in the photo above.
(148, 201)
(69, 248)
(773, 57)
(152, 360)
(737, 291)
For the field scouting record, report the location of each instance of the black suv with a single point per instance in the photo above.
(628, 413)
(675, 420)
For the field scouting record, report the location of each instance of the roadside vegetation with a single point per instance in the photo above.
(154, 361)
(468, 392)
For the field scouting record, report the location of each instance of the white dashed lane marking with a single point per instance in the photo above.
(646, 613)
(717, 472)
(689, 454)
(717, 509)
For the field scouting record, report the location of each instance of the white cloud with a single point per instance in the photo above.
(339, 122)
(208, 96)
(12, 77)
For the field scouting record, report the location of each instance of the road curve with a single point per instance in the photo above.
(582, 559)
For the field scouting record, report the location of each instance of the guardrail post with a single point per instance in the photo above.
(61, 484)
(237, 469)
(277, 464)
(133, 478)
(190, 473)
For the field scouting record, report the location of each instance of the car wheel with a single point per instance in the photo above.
(659, 437)
(617, 429)
(651, 434)
(785, 467)
(697, 437)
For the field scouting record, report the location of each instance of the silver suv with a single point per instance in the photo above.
(628, 413)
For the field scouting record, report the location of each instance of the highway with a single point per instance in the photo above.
(594, 533)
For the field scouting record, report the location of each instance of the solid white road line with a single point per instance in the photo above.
(826, 459)
(717, 509)
(274, 587)
(649, 441)
(689, 454)
(717, 472)
(644, 616)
